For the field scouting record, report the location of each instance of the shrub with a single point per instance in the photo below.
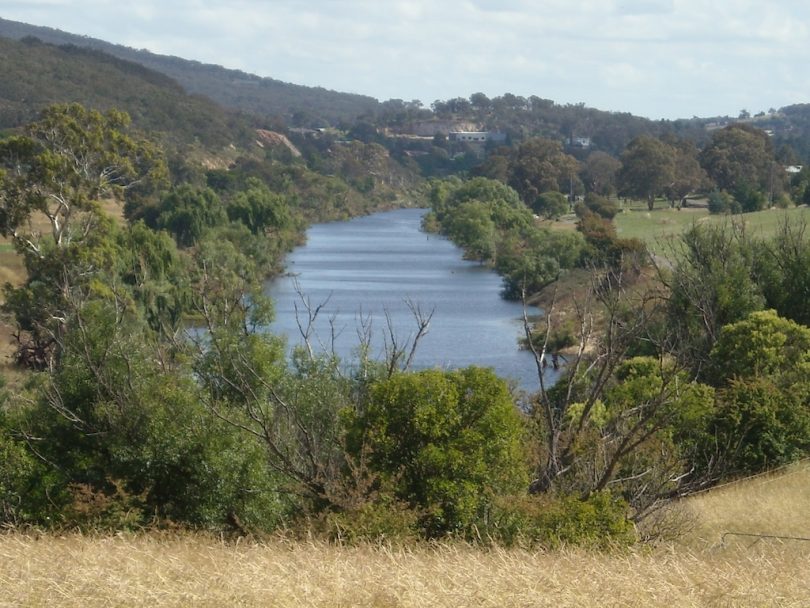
(599, 521)
(551, 205)
(388, 521)
(757, 426)
(601, 205)
(446, 442)
(722, 202)
(17, 470)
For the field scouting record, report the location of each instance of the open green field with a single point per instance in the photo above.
(659, 227)
(183, 569)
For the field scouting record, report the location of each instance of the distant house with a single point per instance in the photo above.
(476, 137)
(580, 142)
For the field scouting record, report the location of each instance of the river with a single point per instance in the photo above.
(367, 266)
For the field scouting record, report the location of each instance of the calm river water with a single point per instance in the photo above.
(370, 265)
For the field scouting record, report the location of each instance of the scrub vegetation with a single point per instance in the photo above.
(148, 422)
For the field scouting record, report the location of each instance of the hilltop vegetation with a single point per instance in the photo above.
(37, 75)
(235, 89)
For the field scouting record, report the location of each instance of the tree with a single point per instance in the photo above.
(63, 165)
(447, 442)
(688, 175)
(712, 284)
(187, 213)
(740, 160)
(470, 225)
(760, 365)
(61, 168)
(782, 270)
(599, 173)
(764, 344)
(648, 168)
(551, 205)
(614, 421)
(539, 165)
(261, 210)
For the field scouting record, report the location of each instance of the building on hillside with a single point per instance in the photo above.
(476, 137)
(580, 142)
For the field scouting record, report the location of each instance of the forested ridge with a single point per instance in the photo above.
(677, 375)
(231, 88)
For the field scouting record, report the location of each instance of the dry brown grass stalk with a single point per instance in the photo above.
(191, 570)
(775, 504)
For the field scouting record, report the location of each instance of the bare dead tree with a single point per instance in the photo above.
(294, 413)
(399, 355)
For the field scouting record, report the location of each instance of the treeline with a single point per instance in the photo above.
(737, 170)
(154, 396)
(492, 224)
(264, 97)
(675, 377)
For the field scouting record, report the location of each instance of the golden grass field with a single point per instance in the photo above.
(195, 570)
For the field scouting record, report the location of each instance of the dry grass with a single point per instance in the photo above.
(774, 504)
(193, 571)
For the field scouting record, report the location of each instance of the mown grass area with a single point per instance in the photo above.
(660, 227)
(198, 570)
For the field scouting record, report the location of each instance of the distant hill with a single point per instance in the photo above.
(36, 75)
(296, 104)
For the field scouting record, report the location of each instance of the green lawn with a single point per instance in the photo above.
(657, 228)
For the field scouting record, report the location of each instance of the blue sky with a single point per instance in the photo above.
(654, 58)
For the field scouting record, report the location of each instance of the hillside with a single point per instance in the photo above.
(267, 97)
(36, 75)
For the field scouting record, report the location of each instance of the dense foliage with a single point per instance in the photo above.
(152, 396)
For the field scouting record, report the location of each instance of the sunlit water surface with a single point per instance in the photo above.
(370, 266)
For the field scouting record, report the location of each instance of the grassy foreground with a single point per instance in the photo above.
(149, 571)
(189, 570)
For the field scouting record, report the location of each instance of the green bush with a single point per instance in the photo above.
(446, 442)
(17, 472)
(757, 426)
(722, 202)
(599, 521)
(551, 205)
(601, 205)
(386, 521)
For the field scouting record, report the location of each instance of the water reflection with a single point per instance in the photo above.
(372, 266)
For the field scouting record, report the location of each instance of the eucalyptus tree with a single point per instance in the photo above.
(648, 168)
(56, 174)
